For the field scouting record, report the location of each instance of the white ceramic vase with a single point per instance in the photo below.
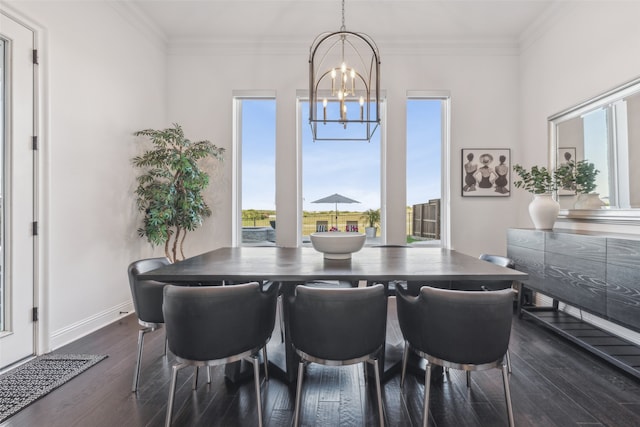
(543, 211)
(588, 201)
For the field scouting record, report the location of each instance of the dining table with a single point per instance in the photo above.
(292, 266)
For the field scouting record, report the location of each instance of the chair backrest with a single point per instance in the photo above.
(457, 326)
(502, 261)
(216, 322)
(147, 294)
(351, 226)
(338, 323)
(322, 225)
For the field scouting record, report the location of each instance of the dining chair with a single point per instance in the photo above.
(147, 302)
(351, 226)
(217, 325)
(335, 327)
(488, 285)
(456, 330)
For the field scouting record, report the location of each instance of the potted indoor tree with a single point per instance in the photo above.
(540, 182)
(371, 217)
(170, 187)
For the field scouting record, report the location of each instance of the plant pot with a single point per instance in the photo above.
(588, 201)
(370, 231)
(543, 211)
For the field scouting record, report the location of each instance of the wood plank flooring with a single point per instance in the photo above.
(554, 383)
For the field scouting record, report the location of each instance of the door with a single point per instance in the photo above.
(17, 207)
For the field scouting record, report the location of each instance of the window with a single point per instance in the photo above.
(425, 142)
(348, 168)
(255, 149)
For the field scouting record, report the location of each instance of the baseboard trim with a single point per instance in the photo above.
(91, 324)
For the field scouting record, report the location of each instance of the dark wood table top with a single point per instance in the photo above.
(303, 264)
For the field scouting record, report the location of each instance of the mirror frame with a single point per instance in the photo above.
(611, 216)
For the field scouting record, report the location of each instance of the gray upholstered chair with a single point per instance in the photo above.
(488, 285)
(147, 301)
(457, 330)
(338, 326)
(216, 325)
(502, 261)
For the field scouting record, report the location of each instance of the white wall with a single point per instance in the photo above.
(102, 80)
(483, 86)
(587, 49)
(105, 78)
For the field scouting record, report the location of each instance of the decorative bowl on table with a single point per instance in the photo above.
(337, 245)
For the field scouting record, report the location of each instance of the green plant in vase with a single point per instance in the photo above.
(585, 177)
(540, 182)
(372, 217)
(581, 177)
(170, 188)
(537, 180)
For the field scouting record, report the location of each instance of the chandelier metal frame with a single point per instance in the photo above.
(354, 82)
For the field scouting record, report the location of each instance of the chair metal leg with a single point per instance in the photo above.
(172, 393)
(136, 371)
(196, 371)
(166, 346)
(427, 390)
(281, 303)
(208, 374)
(468, 379)
(265, 362)
(296, 411)
(256, 376)
(378, 392)
(405, 358)
(508, 361)
(507, 395)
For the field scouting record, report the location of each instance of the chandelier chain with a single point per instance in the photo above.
(343, 26)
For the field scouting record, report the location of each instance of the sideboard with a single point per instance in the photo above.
(598, 273)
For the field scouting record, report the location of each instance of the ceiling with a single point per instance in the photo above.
(390, 21)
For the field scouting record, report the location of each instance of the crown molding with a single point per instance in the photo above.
(285, 46)
(141, 22)
(554, 12)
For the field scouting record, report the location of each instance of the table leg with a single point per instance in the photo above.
(283, 361)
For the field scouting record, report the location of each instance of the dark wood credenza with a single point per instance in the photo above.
(596, 272)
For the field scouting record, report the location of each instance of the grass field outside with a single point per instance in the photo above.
(310, 219)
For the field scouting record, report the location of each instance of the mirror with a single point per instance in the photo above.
(605, 131)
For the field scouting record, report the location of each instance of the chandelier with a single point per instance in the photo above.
(344, 86)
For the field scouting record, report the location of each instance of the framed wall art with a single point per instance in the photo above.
(486, 172)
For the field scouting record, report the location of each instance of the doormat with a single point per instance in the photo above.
(29, 382)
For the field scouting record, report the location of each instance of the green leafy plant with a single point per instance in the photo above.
(538, 180)
(169, 191)
(579, 176)
(372, 217)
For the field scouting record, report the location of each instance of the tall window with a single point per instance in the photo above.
(350, 169)
(424, 170)
(256, 150)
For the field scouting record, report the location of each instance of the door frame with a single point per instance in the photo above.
(41, 340)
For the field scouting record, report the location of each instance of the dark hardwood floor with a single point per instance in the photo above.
(554, 383)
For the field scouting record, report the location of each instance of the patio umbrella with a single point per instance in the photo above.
(335, 199)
